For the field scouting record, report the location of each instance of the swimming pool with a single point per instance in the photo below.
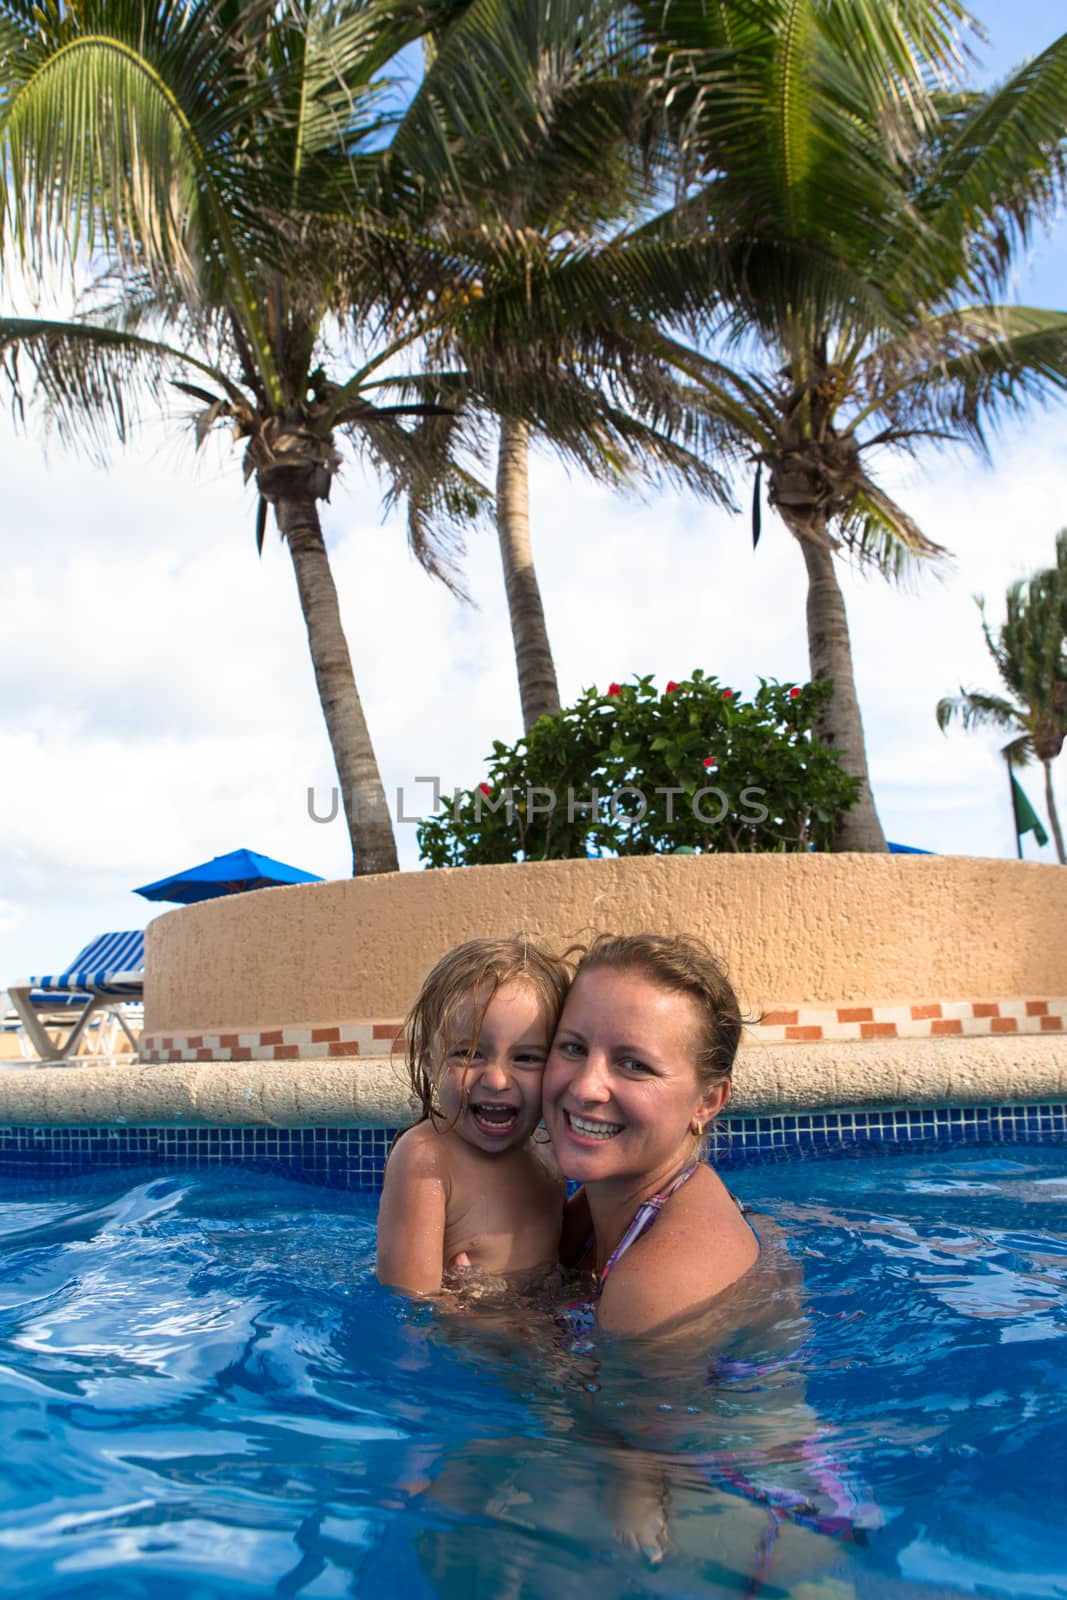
(205, 1393)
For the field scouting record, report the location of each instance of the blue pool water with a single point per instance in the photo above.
(204, 1393)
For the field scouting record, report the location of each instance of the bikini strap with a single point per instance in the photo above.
(644, 1217)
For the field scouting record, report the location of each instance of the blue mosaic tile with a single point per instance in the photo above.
(351, 1158)
(740, 1139)
(354, 1158)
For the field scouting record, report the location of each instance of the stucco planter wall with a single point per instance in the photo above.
(795, 931)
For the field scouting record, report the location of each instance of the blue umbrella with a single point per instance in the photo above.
(231, 874)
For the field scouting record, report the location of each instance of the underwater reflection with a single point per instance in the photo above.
(690, 1462)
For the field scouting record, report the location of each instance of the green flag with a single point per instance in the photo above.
(1026, 818)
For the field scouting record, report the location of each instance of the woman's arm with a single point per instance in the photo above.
(411, 1216)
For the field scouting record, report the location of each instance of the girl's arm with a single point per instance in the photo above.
(411, 1216)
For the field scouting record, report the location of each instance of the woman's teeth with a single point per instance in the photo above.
(593, 1130)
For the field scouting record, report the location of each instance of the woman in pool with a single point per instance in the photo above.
(639, 1066)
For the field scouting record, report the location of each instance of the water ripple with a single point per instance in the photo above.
(206, 1393)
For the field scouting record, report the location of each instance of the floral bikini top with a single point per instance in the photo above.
(578, 1317)
(644, 1218)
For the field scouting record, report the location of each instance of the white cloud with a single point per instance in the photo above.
(159, 705)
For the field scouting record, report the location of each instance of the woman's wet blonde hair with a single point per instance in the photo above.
(479, 967)
(685, 965)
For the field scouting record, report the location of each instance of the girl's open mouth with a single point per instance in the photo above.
(494, 1117)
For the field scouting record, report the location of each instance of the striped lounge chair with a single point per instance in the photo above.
(107, 976)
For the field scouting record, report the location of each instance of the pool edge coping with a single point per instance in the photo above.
(372, 1092)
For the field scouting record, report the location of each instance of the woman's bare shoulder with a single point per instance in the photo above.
(699, 1246)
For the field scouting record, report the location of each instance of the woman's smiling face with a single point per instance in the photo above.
(621, 1087)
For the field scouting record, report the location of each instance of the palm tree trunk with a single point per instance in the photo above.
(538, 689)
(1053, 814)
(840, 726)
(369, 827)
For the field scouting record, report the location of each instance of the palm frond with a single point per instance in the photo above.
(479, 89)
(120, 135)
(101, 111)
(793, 117)
(880, 533)
(1030, 647)
(957, 371)
(744, 403)
(783, 291)
(87, 381)
(1018, 752)
(327, 57)
(429, 466)
(974, 708)
(1030, 652)
(902, 48)
(1002, 170)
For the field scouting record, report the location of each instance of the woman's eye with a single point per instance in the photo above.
(570, 1047)
(640, 1068)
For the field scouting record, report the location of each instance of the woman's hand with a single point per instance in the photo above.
(635, 1498)
(472, 1284)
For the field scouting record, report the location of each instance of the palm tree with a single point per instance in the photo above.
(540, 330)
(859, 226)
(538, 686)
(550, 346)
(209, 158)
(1030, 651)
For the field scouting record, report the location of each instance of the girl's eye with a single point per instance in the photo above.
(530, 1058)
(462, 1052)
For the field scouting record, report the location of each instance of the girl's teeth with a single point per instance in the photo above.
(595, 1130)
(497, 1115)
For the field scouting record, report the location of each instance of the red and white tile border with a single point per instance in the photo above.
(934, 1019)
(275, 1044)
(800, 1025)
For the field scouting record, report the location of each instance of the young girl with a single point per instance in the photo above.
(467, 1181)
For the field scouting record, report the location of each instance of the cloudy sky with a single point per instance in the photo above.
(157, 704)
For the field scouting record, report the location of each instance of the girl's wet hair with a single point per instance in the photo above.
(685, 965)
(480, 967)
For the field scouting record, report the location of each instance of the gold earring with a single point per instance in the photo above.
(696, 1128)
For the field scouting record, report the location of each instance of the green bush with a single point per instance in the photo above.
(694, 768)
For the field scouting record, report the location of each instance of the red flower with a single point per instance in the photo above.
(794, 694)
(710, 761)
(615, 688)
(672, 686)
(728, 694)
(486, 790)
